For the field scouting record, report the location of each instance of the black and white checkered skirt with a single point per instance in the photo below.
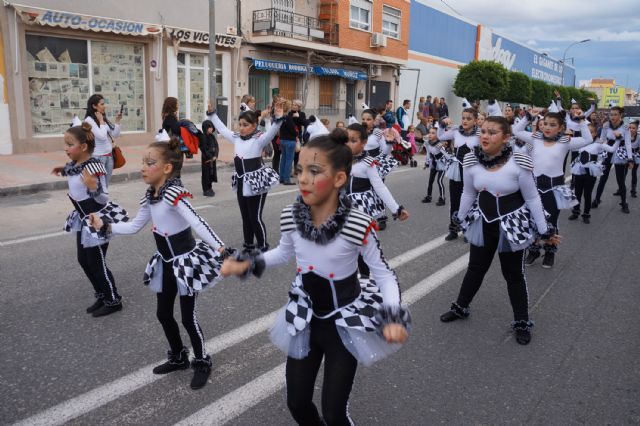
(517, 230)
(358, 324)
(90, 237)
(385, 164)
(368, 202)
(195, 271)
(256, 182)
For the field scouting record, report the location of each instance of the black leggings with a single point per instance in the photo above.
(188, 310)
(209, 175)
(634, 177)
(606, 168)
(93, 261)
(584, 186)
(252, 223)
(512, 264)
(621, 177)
(455, 193)
(339, 371)
(432, 176)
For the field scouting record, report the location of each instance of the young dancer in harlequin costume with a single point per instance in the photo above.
(549, 149)
(635, 149)
(182, 266)
(436, 162)
(585, 169)
(251, 179)
(574, 119)
(465, 138)
(89, 194)
(330, 314)
(500, 210)
(376, 148)
(615, 132)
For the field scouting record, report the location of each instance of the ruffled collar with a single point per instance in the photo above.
(560, 137)
(174, 181)
(360, 156)
(328, 230)
(434, 143)
(612, 127)
(72, 168)
(472, 132)
(495, 161)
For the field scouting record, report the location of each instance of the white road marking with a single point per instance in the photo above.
(247, 396)
(95, 398)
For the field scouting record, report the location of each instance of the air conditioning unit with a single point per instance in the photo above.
(378, 40)
(375, 70)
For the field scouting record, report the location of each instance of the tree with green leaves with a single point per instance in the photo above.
(481, 80)
(541, 93)
(519, 88)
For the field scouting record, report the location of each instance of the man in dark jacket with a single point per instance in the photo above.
(210, 150)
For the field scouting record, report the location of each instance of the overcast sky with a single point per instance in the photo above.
(551, 25)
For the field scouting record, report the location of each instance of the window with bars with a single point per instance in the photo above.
(391, 18)
(288, 86)
(360, 14)
(327, 96)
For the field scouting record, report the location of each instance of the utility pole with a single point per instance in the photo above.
(212, 54)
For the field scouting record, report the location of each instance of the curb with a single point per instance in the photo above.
(116, 178)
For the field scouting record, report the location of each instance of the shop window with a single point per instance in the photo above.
(193, 85)
(327, 101)
(288, 86)
(360, 14)
(64, 72)
(391, 18)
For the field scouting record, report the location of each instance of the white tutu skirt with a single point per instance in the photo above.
(592, 168)
(195, 271)
(565, 197)
(89, 236)
(453, 171)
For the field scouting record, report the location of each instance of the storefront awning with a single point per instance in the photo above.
(288, 67)
(56, 18)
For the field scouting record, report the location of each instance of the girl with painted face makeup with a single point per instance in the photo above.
(89, 194)
(436, 162)
(252, 179)
(182, 265)
(500, 210)
(635, 148)
(617, 134)
(329, 311)
(548, 149)
(465, 138)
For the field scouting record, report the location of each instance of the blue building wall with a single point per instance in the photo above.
(438, 34)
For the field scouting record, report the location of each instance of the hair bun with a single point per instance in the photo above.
(174, 144)
(339, 136)
(86, 126)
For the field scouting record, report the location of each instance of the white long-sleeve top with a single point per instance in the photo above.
(80, 192)
(506, 180)
(607, 134)
(549, 159)
(246, 148)
(366, 168)
(101, 134)
(337, 260)
(459, 137)
(376, 140)
(597, 147)
(572, 124)
(171, 215)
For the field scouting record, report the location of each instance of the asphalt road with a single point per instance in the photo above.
(60, 365)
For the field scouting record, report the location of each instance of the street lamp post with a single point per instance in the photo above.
(212, 53)
(564, 55)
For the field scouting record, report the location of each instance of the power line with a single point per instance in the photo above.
(455, 11)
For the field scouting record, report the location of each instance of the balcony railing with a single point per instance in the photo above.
(289, 24)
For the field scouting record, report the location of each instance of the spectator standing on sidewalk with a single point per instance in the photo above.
(403, 117)
(210, 150)
(444, 108)
(103, 131)
(388, 115)
(288, 135)
(170, 116)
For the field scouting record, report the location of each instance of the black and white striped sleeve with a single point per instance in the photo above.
(199, 225)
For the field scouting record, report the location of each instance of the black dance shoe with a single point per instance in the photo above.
(209, 193)
(451, 236)
(201, 372)
(455, 313)
(531, 257)
(174, 362)
(595, 204)
(617, 193)
(586, 218)
(548, 260)
(522, 329)
(625, 208)
(105, 310)
(427, 199)
(634, 194)
(96, 305)
(440, 202)
(574, 216)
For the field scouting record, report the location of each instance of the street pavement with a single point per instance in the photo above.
(62, 366)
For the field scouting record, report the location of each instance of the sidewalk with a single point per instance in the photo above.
(29, 173)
